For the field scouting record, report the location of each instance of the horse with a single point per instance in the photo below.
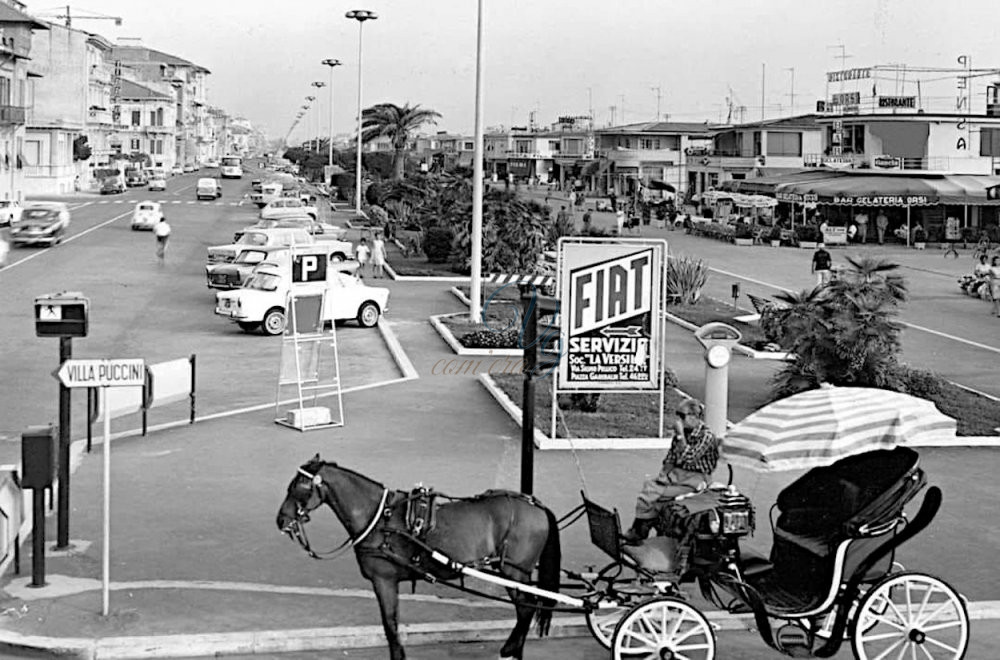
(505, 532)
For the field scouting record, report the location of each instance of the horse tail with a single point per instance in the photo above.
(549, 572)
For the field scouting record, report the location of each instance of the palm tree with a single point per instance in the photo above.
(397, 123)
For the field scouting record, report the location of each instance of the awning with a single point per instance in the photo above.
(656, 184)
(765, 185)
(848, 189)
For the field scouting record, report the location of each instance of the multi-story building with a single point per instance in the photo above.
(100, 120)
(146, 125)
(152, 68)
(16, 29)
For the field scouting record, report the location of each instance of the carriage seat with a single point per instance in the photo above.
(815, 522)
(657, 554)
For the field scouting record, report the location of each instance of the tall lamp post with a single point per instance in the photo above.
(305, 110)
(331, 63)
(359, 15)
(475, 284)
(319, 107)
(310, 99)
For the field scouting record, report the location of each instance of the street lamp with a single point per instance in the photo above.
(310, 99)
(359, 15)
(331, 63)
(318, 86)
(475, 284)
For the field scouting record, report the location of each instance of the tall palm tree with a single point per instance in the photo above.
(398, 123)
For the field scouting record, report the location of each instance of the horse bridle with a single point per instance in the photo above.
(296, 527)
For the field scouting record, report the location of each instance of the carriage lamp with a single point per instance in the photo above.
(736, 522)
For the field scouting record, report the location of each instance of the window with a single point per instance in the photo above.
(136, 118)
(757, 143)
(32, 152)
(135, 145)
(851, 139)
(989, 142)
(4, 90)
(553, 145)
(159, 117)
(469, 146)
(152, 118)
(523, 146)
(783, 144)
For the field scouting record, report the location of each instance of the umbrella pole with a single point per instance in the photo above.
(907, 225)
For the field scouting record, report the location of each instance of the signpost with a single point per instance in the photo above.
(104, 374)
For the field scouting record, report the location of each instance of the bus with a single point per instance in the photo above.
(232, 167)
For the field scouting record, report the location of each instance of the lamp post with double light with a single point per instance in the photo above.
(331, 63)
(359, 15)
(319, 106)
(310, 99)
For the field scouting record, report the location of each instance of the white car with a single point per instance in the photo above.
(259, 238)
(146, 215)
(261, 301)
(177, 169)
(208, 188)
(287, 207)
(41, 223)
(211, 163)
(10, 212)
(157, 183)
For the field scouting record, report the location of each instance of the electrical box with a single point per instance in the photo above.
(62, 315)
(38, 456)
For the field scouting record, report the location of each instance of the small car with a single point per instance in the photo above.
(41, 223)
(135, 178)
(177, 169)
(146, 215)
(287, 207)
(112, 186)
(255, 185)
(208, 188)
(157, 183)
(189, 168)
(10, 212)
(211, 163)
(259, 238)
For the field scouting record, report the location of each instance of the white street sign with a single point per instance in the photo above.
(102, 373)
(50, 313)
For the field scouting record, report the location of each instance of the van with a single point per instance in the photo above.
(208, 188)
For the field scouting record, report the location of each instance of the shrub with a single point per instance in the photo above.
(743, 230)
(685, 278)
(437, 244)
(775, 233)
(808, 233)
(490, 339)
(918, 382)
(378, 215)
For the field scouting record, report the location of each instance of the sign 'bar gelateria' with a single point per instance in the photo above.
(102, 373)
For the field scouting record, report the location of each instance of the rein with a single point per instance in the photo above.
(298, 529)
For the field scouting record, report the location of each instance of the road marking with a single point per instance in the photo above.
(176, 201)
(191, 202)
(180, 190)
(79, 206)
(945, 335)
(118, 201)
(66, 240)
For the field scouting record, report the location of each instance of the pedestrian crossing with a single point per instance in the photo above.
(167, 201)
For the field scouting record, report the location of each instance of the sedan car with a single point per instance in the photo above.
(208, 189)
(146, 215)
(177, 169)
(135, 178)
(157, 183)
(41, 223)
(10, 212)
(189, 168)
(287, 207)
(112, 186)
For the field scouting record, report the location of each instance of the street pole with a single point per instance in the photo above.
(360, 15)
(106, 550)
(331, 63)
(65, 401)
(475, 293)
(529, 310)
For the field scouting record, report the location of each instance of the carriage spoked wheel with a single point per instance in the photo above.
(911, 614)
(663, 628)
(624, 590)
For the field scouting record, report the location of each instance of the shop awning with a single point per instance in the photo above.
(656, 184)
(849, 189)
(766, 185)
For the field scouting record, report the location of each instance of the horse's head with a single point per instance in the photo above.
(303, 496)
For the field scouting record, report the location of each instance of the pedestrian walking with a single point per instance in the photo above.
(995, 285)
(861, 220)
(881, 224)
(614, 201)
(586, 223)
(362, 254)
(620, 220)
(572, 198)
(821, 266)
(378, 256)
(162, 233)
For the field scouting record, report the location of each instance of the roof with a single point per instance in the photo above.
(660, 127)
(9, 14)
(144, 54)
(132, 90)
(883, 189)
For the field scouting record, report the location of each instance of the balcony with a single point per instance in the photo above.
(11, 115)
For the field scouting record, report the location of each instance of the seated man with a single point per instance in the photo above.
(687, 468)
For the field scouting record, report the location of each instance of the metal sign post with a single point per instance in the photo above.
(718, 340)
(104, 374)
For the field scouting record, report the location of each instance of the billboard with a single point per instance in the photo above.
(611, 320)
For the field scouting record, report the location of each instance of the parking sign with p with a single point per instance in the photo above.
(309, 268)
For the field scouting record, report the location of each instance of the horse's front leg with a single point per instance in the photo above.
(387, 591)
(523, 605)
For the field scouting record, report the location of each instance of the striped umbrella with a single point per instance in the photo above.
(821, 426)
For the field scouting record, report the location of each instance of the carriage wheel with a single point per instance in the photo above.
(664, 628)
(911, 615)
(603, 621)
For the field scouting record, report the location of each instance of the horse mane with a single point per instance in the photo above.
(316, 464)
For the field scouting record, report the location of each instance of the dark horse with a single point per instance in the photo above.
(500, 531)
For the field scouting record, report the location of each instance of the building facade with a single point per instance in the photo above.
(15, 94)
(146, 125)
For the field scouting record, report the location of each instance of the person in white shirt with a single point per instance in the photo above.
(162, 233)
(362, 254)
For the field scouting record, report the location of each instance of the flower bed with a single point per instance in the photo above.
(415, 262)
(707, 310)
(617, 415)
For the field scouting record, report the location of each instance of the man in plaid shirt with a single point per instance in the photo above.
(687, 468)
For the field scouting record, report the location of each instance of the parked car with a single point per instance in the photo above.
(208, 189)
(259, 238)
(41, 223)
(260, 303)
(10, 212)
(112, 185)
(320, 230)
(177, 169)
(255, 185)
(189, 167)
(158, 183)
(287, 207)
(211, 163)
(135, 178)
(233, 275)
(268, 193)
(146, 215)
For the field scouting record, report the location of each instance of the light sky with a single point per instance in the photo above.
(551, 56)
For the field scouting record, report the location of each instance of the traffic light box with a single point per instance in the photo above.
(61, 315)
(993, 192)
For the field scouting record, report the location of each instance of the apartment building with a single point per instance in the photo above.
(16, 68)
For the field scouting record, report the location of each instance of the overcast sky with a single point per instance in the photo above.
(551, 56)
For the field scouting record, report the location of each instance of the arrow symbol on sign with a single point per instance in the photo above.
(630, 331)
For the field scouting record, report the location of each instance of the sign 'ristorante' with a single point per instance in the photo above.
(102, 373)
(611, 328)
